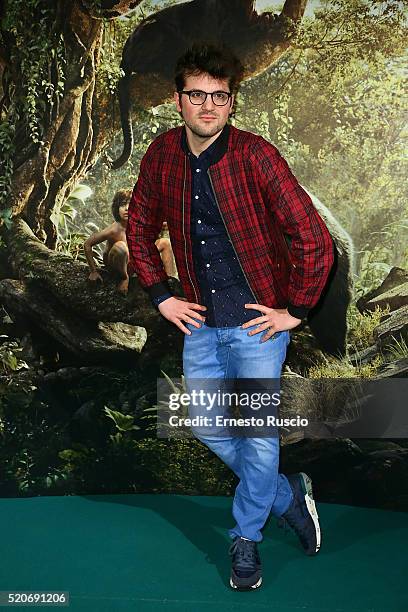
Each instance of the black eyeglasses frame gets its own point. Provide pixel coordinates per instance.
(207, 93)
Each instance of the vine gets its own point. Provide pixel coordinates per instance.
(109, 70)
(37, 56)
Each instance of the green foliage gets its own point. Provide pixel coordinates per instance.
(113, 39)
(104, 183)
(373, 267)
(123, 422)
(92, 437)
(60, 216)
(335, 106)
(9, 356)
(362, 326)
(38, 54)
(30, 23)
(7, 132)
(330, 367)
(152, 413)
(396, 349)
(71, 235)
(29, 439)
(6, 216)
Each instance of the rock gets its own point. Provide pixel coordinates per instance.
(370, 446)
(402, 442)
(395, 278)
(28, 352)
(392, 293)
(363, 472)
(394, 298)
(394, 369)
(320, 457)
(390, 453)
(131, 337)
(93, 342)
(364, 356)
(394, 325)
(381, 480)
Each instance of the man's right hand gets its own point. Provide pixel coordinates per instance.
(177, 309)
(95, 277)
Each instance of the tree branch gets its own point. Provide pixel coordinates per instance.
(294, 9)
(107, 9)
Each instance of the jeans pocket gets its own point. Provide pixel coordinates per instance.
(285, 334)
(192, 327)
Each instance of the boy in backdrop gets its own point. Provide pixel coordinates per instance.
(116, 253)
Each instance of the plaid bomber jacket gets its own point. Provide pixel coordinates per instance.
(259, 199)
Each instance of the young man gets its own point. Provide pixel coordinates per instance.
(229, 197)
(116, 253)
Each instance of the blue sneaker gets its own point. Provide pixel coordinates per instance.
(302, 515)
(246, 571)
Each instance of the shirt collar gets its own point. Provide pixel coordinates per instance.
(213, 153)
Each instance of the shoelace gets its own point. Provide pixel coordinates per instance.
(245, 549)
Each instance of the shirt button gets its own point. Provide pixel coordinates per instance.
(208, 265)
(197, 169)
(203, 242)
(199, 221)
(196, 197)
(212, 290)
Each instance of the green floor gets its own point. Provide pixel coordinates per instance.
(168, 553)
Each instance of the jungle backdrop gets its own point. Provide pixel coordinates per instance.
(326, 83)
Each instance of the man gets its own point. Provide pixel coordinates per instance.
(229, 197)
(116, 253)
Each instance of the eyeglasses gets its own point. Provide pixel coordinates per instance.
(198, 97)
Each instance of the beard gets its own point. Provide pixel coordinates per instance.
(202, 130)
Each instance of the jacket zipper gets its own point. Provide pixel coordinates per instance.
(184, 235)
(226, 229)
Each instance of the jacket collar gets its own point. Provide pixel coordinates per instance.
(221, 143)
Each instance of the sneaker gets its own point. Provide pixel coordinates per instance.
(302, 515)
(246, 565)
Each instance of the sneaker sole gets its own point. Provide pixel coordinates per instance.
(246, 588)
(311, 506)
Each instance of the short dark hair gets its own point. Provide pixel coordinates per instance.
(121, 198)
(217, 61)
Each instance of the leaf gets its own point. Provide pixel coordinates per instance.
(81, 192)
(171, 383)
(124, 422)
(6, 216)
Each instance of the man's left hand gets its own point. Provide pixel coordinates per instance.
(274, 320)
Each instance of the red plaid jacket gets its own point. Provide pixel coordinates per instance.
(260, 200)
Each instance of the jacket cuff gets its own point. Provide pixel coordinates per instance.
(299, 312)
(158, 300)
(158, 289)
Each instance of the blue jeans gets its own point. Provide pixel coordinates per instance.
(229, 353)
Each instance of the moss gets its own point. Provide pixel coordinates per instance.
(362, 326)
(344, 368)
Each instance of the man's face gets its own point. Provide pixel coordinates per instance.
(207, 119)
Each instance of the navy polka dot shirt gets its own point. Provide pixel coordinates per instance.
(223, 287)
